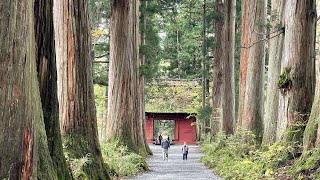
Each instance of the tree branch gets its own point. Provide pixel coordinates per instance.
(100, 61)
(101, 56)
(263, 40)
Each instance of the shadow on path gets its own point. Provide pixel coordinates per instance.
(175, 167)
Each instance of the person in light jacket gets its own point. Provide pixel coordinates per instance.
(185, 150)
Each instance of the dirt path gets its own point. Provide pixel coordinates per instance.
(175, 167)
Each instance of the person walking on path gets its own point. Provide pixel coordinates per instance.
(185, 150)
(165, 146)
(160, 139)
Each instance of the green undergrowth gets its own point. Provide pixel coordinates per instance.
(308, 166)
(121, 161)
(233, 158)
(83, 158)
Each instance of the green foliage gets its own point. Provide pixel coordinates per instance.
(164, 127)
(146, 70)
(121, 161)
(285, 81)
(77, 165)
(173, 96)
(308, 166)
(100, 93)
(204, 113)
(233, 157)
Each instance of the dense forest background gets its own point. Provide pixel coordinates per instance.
(76, 78)
(176, 51)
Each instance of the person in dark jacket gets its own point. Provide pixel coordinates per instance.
(165, 145)
(160, 139)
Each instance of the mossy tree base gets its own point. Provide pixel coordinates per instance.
(77, 147)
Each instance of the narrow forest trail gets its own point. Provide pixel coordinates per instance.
(175, 168)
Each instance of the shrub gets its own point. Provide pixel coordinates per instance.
(76, 166)
(238, 156)
(121, 161)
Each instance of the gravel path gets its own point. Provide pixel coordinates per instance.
(175, 167)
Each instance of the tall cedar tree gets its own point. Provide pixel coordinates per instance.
(311, 138)
(124, 122)
(274, 67)
(217, 70)
(47, 76)
(297, 80)
(143, 38)
(228, 89)
(22, 134)
(75, 85)
(252, 62)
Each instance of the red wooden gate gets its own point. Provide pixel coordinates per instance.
(185, 128)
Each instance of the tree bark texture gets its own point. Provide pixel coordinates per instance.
(124, 114)
(216, 118)
(252, 66)
(299, 65)
(22, 127)
(311, 138)
(77, 111)
(274, 69)
(143, 37)
(243, 59)
(47, 76)
(228, 89)
(202, 122)
(139, 120)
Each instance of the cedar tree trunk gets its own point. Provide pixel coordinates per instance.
(297, 79)
(216, 124)
(252, 66)
(228, 89)
(124, 114)
(274, 67)
(47, 76)
(22, 131)
(78, 120)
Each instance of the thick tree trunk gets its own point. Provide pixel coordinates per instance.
(311, 137)
(252, 66)
(274, 67)
(139, 121)
(245, 41)
(124, 117)
(47, 76)
(216, 118)
(143, 37)
(298, 68)
(228, 89)
(22, 127)
(75, 85)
